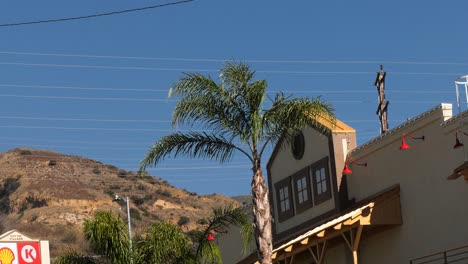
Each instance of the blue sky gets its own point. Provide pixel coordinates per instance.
(113, 105)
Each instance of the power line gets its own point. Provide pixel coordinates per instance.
(169, 100)
(93, 16)
(82, 88)
(142, 121)
(166, 90)
(88, 98)
(212, 70)
(83, 119)
(224, 60)
(102, 128)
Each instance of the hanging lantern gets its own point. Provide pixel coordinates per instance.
(210, 237)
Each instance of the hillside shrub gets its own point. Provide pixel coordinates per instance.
(112, 167)
(135, 214)
(183, 220)
(138, 201)
(25, 152)
(166, 192)
(32, 202)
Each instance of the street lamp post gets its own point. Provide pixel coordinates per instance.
(118, 198)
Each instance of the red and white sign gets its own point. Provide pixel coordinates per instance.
(20, 253)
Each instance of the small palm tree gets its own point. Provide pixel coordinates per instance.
(164, 243)
(108, 237)
(218, 224)
(234, 113)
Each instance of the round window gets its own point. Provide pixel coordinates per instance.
(298, 146)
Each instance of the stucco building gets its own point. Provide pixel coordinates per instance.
(397, 198)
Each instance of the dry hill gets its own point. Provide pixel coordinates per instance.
(47, 195)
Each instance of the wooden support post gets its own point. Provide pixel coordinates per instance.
(319, 253)
(353, 241)
(356, 241)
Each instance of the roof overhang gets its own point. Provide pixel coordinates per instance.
(382, 209)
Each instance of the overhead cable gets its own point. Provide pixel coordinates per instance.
(224, 60)
(93, 16)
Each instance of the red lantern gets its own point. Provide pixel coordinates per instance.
(210, 237)
(346, 170)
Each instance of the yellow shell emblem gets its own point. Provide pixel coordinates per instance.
(6, 256)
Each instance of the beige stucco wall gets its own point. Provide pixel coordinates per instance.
(284, 165)
(434, 210)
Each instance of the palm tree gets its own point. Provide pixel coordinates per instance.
(108, 237)
(233, 111)
(164, 243)
(218, 224)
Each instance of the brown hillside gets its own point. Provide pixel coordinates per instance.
(47, 195)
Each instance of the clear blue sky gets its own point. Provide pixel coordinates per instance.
(298, 46)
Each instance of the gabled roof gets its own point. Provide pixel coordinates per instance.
(14, 235)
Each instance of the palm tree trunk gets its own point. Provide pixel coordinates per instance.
(262, 214)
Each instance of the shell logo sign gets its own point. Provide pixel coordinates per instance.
(6, 256)
(20, 253)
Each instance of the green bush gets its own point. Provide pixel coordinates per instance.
(73, 257)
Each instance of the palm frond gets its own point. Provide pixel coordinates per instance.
(164, 243)
(287, 116)
(194, 145)
(219, 223)
(107, 235)
(210, 104)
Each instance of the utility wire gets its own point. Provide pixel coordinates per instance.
(224, 60)
(144, 121)
(213, 70)
(82, 88)
(83, 119)
(88, 98)
(102, 128)
(171, 101)
(167, 90)
(93, 16)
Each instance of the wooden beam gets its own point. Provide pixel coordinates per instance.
(355, 257)
(352, 220)
(273, 256)
(338, 226)
(357, 238)
(321, 233)
(322, 254)
(347, 241)
(316, 258)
